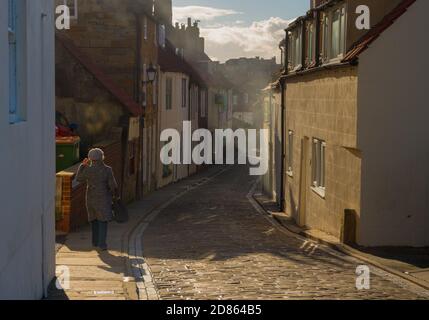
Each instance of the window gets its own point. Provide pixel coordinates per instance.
(169, 94)
(166, 169)
(246, 98)
(184, 92)
(290, 153)
(318, 166)
(145, 27)
(235, 100)
(295, 49)
(155, 35)
(155, 91)
(72, 5)
(325, 38)
(162, 36)
(203, 103)
(310, 44)
(334, 34)
(132, 158)
(16, 26)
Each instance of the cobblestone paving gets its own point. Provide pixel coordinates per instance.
(212, 244)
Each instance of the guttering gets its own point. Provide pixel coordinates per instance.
(319, 68)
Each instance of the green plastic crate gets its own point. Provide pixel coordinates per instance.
(67, 153)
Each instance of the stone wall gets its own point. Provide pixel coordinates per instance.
(84, 101)
(105, 31)
(323, 105)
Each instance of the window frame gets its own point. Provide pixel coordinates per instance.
(318, 176)
(162, 35)
(295, 44)
(17, 62)
(169, 93)
(145, 28)
(327, 38)
(203, 101)
(184, 93)
(291, 136)
(310, 43)
(155, 35)
(155, 90)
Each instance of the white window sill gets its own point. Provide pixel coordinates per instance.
(321, 192)
(334, 60)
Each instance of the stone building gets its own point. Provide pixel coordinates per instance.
(118, 39)
(248, 76)
(190, 45)
(183, 97)
(355, 144)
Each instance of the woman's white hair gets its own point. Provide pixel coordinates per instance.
(96, 155)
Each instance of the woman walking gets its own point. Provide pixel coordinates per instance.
(101, 187)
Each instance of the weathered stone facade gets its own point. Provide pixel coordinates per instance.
(323, 105)
(84, 101)
(121, 39)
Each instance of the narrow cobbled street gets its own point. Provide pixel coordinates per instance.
(212, 243)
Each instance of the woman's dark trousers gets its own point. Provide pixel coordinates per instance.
(99, 234)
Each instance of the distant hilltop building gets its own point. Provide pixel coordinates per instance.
(187, 38)
(249, 77)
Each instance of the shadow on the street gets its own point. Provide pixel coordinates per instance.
(217, 222)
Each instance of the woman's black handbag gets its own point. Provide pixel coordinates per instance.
(120, 212)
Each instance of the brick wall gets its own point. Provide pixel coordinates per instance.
(73, 207)
(63, 224)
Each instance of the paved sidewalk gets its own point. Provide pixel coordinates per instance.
(409, 263)
(108, 275)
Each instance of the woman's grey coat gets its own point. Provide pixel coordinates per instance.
(101, 185)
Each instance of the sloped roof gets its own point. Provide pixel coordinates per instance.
(363, 43)
(218, 80)
(116, 91)
(169, 61)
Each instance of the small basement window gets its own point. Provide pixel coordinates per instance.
(318, 167)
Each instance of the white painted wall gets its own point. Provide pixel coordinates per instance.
(27, 161)
(393, 134)
(172, 119)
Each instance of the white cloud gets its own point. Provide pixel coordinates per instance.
(180, 14)
(261, 38)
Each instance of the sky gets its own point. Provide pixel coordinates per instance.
(246, 28)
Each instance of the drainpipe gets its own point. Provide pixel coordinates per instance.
(283, 126)
(283, 130)
(138, 96)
